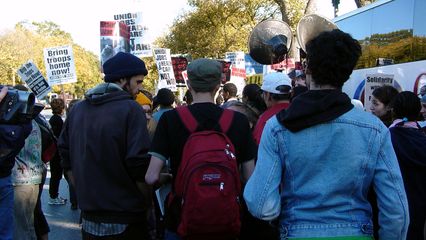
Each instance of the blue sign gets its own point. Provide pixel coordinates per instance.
(252, 67)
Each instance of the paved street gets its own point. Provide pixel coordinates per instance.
(63, 222)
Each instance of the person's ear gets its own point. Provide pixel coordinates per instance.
(269, 96)
(122, 82)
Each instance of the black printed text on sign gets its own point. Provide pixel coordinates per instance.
(60, 68)
(30, 74)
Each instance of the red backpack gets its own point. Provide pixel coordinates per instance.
(208, 182)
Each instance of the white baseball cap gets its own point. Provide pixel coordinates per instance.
(272, 81)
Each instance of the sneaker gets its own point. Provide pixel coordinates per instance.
(63, 199)
(56, 201)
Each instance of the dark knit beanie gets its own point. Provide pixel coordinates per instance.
(204, 74)
(123, 65)
(165, 97)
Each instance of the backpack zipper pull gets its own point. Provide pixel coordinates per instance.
(221, 186)
(229, 153)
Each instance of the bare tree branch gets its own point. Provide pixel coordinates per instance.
(283, 9)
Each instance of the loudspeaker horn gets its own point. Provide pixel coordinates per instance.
(270, 41)
(310, 26)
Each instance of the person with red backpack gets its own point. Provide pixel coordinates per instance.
(206, 146)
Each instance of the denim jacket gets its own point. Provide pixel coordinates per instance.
(316, 180)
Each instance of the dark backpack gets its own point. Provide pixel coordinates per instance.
(208, 182)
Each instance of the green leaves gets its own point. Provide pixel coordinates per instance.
(214, 27)
(28, 40)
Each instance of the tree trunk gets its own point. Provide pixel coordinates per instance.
(283, 9)
(358, 3)
(311, 7)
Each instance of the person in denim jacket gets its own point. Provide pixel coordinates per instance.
(318, 159)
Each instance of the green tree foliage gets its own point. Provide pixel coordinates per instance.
(214, 27)
(28, 40)
(400, 46)
(361, 3)
(150, 81)
(292, 10)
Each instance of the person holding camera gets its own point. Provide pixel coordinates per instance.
(12, 139)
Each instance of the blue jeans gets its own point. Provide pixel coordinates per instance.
(168, 235)
(25, 203)
(6, 208)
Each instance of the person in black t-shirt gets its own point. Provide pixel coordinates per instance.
(56, 171)
(204, 80)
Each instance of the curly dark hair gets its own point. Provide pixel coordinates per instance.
(331, 57)
(406, 105)
(57, 105)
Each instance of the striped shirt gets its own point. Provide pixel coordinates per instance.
(103, 229)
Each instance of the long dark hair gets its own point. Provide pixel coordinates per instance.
(254, 97)
(386, 94)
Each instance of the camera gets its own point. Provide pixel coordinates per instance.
(17, 107)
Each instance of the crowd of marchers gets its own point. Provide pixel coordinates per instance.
(294, 158)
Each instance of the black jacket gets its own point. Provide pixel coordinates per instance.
(105, 143)
(12, 139)
(410, 149)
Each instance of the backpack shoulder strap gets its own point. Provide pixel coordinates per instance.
(225, 120)
(187, 119)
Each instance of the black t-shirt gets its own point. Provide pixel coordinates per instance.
(171, 134)
(56, 123)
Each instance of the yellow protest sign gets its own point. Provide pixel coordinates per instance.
(256, 79)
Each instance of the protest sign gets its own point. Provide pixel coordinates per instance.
(256, 79)
(252, 67)
(60, 68)
(238, 69)
(373, 81)
(285, 66)
(30, 74)
(114, 38)
(226, 70)
(179, 65)
(140, 39)
(185, 76)
(165, 69)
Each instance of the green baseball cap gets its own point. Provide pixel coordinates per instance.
(204, 74)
